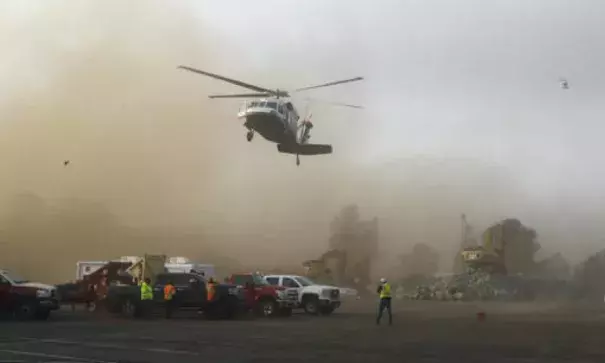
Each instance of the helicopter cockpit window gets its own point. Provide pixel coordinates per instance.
(281, 109)
(253, 104)
(272, 105)
(289, 106)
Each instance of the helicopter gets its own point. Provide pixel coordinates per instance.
(274, 117)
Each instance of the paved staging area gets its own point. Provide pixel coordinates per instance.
(423, 332)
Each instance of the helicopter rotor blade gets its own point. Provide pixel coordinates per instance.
(243, 95)
(330, 84)
(229, 80)
(333, 103)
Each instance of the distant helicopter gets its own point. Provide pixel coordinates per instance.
(564, 83)
(275, 118)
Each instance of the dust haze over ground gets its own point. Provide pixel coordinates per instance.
(463, 114)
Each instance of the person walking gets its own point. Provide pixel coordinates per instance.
(384, 291)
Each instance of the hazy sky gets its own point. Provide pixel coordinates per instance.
(464, 113)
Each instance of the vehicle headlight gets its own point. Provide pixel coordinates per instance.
(43, 293)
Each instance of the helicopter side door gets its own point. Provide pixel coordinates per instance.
(291, 119)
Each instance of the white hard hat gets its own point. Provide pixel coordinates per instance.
(383, 280)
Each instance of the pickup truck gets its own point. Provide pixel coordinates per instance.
(313, 298)
(191, 292)
(24, 299)
(262, 298)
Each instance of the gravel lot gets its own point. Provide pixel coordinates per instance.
(423, 332)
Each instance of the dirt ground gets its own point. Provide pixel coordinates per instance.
(422, 332)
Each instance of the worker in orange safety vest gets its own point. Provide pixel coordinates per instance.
(169, 292)
(211, 288)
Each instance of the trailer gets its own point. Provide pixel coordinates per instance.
(85, 268)
(172, 264)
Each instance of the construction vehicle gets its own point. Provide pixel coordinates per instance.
(93, 277)
(93, 284)
(191, 291)
(97, 276)
(488, 256)
(508, 247)
(330, 268)
(147, 267)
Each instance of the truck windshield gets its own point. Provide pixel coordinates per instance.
(258, 280)
(304, 281)
(14, 278)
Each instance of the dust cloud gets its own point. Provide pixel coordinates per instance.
(156, 167)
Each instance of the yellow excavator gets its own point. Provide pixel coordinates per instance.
(329, 268)
(489, 256)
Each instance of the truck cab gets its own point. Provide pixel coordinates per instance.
(191, 290)
(25, 299)
(312, 297)
(263, 298)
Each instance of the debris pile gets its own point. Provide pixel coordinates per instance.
(502, 267)
(480, 285)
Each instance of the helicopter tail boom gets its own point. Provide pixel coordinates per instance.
(305, 149)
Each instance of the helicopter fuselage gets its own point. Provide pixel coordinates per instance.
(274, 119)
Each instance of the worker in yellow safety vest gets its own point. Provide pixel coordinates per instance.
(146, 297)
(384, 290)
(169, 292)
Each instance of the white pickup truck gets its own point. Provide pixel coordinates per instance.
(312, 297)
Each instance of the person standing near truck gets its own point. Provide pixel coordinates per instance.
(384, 290)
(169, 292)
(146, 297)
(211, 288)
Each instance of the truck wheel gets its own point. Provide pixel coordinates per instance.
(129, 308)
(326, 310)
(25, 311)
(267, 308)
(42, 314)
(311, 305)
